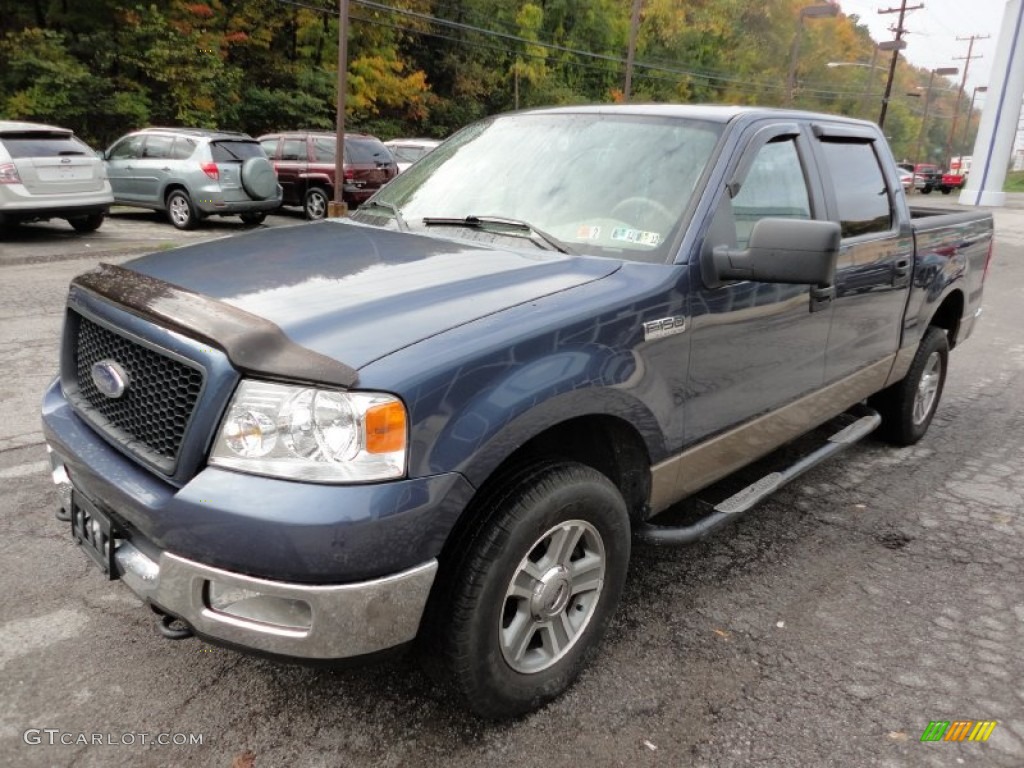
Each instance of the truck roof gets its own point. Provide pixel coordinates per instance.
(718, 113)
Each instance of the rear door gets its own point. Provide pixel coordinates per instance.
(877, 255)
(54, 162)
(229, 154)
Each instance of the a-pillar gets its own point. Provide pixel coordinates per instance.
(998, 127)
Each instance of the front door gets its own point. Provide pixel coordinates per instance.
(121, 161)
(756, 346)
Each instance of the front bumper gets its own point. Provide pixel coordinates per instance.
(296, 620)
(306, 621)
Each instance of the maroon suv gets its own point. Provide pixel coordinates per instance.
(304, 161)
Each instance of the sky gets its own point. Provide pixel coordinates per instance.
(933, 32)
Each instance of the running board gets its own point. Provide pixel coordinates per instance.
(739, 503)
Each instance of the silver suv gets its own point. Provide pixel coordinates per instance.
(47, 173)
(193, 173)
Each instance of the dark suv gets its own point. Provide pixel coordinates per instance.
(304, 161)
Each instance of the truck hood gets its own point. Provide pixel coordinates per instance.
(357, 293)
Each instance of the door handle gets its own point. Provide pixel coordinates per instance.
(901, 272)
(165, 169)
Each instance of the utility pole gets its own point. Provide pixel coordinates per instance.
(963, 84)
(902, 11)
(337, 206)
(634, 27)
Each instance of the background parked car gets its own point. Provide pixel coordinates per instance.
(927, 177)
(304, 161)
(906, 179)
(48, 173)
(408, 151)
(192, 173)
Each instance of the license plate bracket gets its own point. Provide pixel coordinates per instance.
(94, 532)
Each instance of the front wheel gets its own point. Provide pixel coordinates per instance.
(908, 406)
(531, 593)
(180, 211)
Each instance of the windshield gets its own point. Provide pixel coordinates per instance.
(614, 185)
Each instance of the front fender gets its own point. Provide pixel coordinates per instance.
(520, 401)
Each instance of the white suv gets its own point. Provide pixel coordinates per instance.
(47, 173)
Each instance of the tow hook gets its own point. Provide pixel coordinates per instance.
(173, 628)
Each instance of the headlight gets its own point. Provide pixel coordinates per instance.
(305, 433)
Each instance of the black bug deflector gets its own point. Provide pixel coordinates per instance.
(253, 344)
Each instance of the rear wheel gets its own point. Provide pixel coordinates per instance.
(315, 204)
(908, 406)
(180, 211)
(252, 218)
(87, 223)
(532, 590)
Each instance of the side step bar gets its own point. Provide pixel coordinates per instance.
(739, 503)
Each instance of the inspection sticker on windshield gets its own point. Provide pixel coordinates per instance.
(587, 232)
(636, 236)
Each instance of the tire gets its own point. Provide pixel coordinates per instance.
(907, 407)
(507, 654)
(87, 223)
(926, 190)
(180, 211)
(258, 178)
(253, 218)
(314, 205)
(946, 190)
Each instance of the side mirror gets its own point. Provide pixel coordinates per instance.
(780, 251)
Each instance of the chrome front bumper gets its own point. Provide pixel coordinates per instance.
(298, 620)
(304, 621)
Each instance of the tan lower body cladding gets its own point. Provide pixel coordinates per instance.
(698, 467)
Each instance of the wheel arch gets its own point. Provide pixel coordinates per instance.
(948, 315)
(606, 442)
(173, 186)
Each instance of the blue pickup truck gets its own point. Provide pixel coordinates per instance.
(445, 420)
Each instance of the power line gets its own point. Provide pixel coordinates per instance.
(742, 84)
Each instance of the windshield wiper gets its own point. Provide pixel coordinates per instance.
(402, 226)
(479, 222)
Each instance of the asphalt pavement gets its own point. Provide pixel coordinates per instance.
(881, 591)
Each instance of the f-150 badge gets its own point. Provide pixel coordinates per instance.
(667, 326)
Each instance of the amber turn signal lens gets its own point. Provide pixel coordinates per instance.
(385, 428)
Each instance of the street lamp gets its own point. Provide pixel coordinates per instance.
(888, 45)
(943, 72)
(827, 10)
(970, 112)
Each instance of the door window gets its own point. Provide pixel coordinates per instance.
(294, 149)
(269, 147)
(126, 149)
(157, 147)
(865, 206)
(775, 187)
(325, 150)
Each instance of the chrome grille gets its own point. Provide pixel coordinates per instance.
(151, 417)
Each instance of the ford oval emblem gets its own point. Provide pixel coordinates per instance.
(109, 378)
